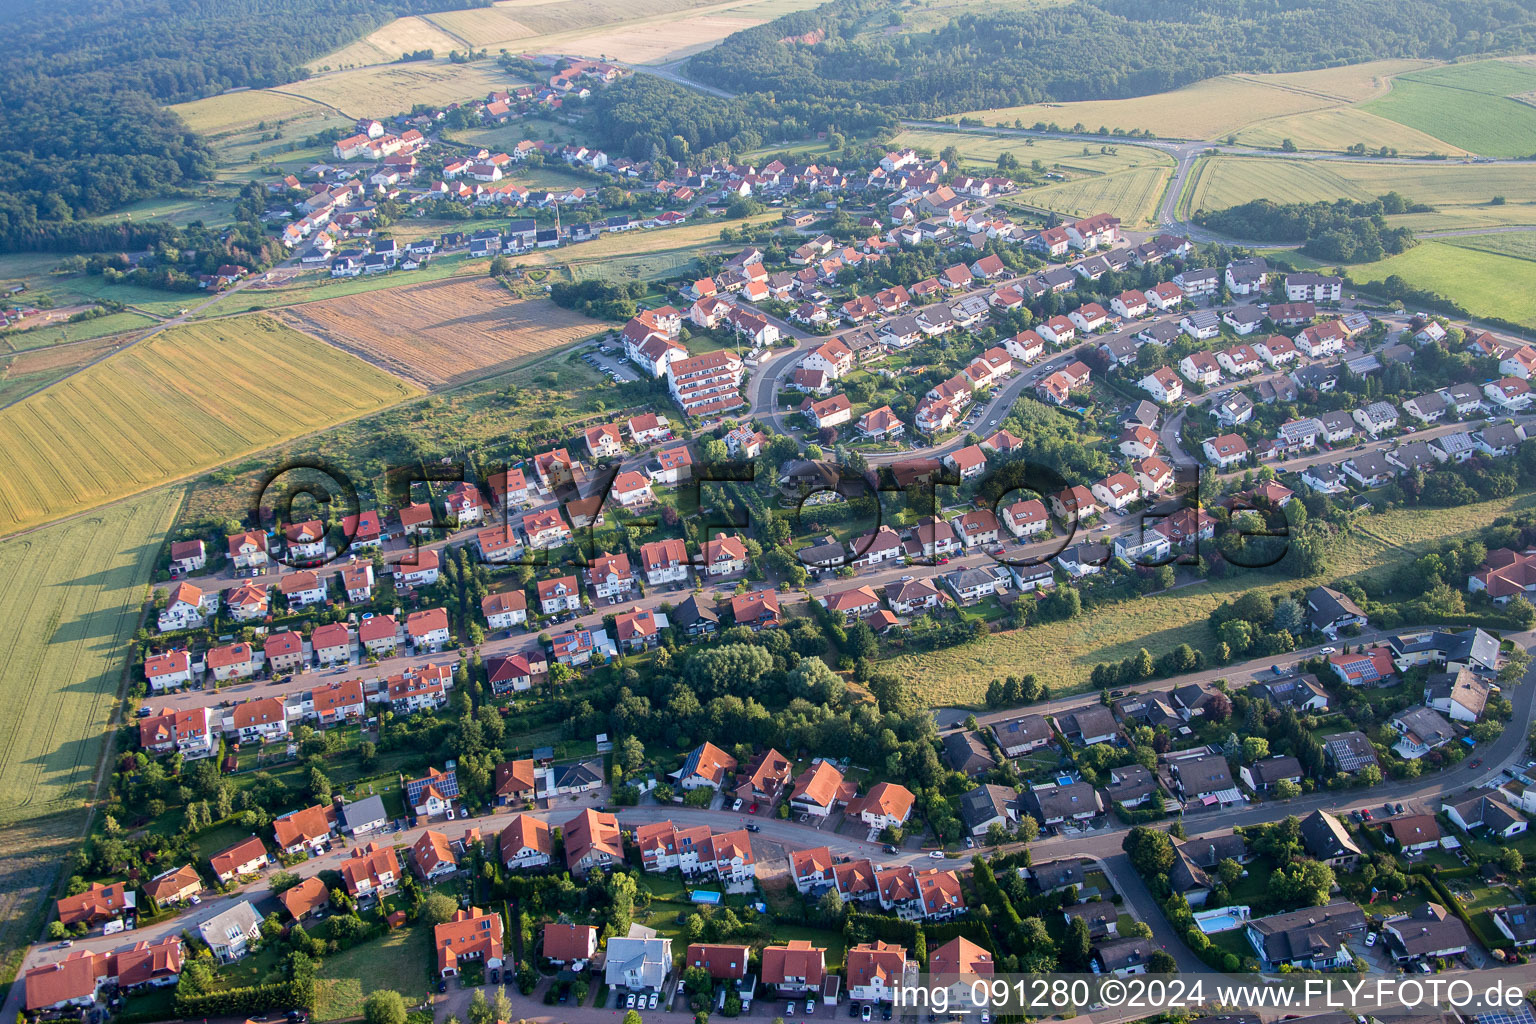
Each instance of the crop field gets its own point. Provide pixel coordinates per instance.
(69, 608)
(442, 332)
(1519, 244)
(543, 396)
(1341, 127)
(237, 111)
(178, 403)
(386, 45)
(62, 334)
(1487, 284)
(1130, 195)
(1064, 653)
(692, 238)
(1460, 192)
(1215, 107)
(1467, 105)
(985, 149)
(642, 31)
(25, 372)
(394, 88)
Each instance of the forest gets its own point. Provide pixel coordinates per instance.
(85, 80)
(1345, 231)
(647, 117)
(1091, 49)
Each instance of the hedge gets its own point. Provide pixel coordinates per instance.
(285, 995)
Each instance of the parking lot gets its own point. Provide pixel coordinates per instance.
(610, 365)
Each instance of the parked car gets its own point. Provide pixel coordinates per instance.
(936, 854)
(655, 998)
(629, 1001)
(867, 1013)
(1370, 940)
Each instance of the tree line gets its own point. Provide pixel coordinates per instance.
(1345, 231)
(85, 80)
(1095, 49)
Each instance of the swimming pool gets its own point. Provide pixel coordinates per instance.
(1224, 919)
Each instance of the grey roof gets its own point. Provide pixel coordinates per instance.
(1054, 874)
(1351, 750)
(1123, 953)
(238, 919)
(1024, 729)
(1315, 375)
(1208, 773)
(692, 611)
(1335, 421)
(582, 773)
(1201, 318)
(1272, 769)
(362, 812)
(966, 752)
(1193, 695)
(1163, 332)
(1057, 801)
(1520, 920)
(1208, 851)
(1380, 412)
(1094, 720)
(1308, 934)
(1098, 915)
(1143, 413)
(1454, 444)
(1289, 691)
(1325, 838)
(1245, 315)
(1370, 465)
(1426, 723)
(1427, 404)
(1471, 646)
(1501, 435)
(984, 803)
(1414, 455)
(1130, 782)
(1429, 929)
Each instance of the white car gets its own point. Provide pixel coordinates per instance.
(629, 1001)
(1370, 940)
(1326, 650)
(936, 855)
(651, 1003)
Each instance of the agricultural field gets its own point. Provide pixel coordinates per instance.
(692, 238)
(1461, 193)
(1216, 107)
(180, 402)
(395, 88)
(245, 109)
(25, 372)
(1340, 128)
(642, 32)
(1486, 283)
(546, 397)
(1064, 653)
(442, 332)
(51, 335)
(1519, 244)
(70, 606)
(1468, 105)
(1130, 195)
(386, 45)
(984, 150)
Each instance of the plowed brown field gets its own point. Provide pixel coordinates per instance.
(441, 332)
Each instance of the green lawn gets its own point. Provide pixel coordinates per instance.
(832, 942)
(258, 968)
(1486, 283)
(401, 960)
(1467, 105)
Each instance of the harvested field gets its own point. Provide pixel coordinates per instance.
(236, 111)
(441, 332)
(1340, 128)
(30, 370)
(386, 45)
(392, 88)
(1217, 107)
(183, 401)
(71, 607)
(1461, 193)
(1130, 195)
